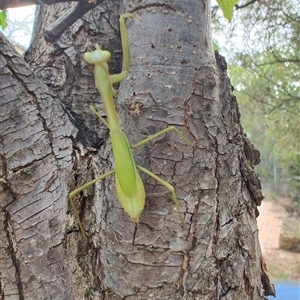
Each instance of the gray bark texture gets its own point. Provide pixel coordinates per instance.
(51, 143)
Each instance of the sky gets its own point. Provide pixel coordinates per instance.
(15, 31)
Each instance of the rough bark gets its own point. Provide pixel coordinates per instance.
(175, 79)
(35, 161)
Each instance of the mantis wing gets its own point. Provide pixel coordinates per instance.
(129, 185)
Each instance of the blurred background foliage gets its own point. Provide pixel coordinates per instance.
(262, 48)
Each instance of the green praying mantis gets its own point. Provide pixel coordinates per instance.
(129, 185)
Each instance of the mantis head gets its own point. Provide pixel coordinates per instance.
(97, 56)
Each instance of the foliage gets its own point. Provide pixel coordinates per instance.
(3, 18)
(216, 47)
(227, 8)
(19, 26)
(262, 45)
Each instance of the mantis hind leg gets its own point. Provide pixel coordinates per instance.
(148, 139)
(169, 187)
(80, 189)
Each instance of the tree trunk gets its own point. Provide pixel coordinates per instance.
(175, 79)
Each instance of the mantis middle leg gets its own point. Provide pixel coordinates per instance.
(148, 139)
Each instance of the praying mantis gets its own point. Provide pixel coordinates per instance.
(129, 185)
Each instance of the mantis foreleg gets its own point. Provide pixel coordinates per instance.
(115, 78)
(124, 40)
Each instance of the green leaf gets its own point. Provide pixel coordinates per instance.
(216, 47)
(227, 8)
(3, 18)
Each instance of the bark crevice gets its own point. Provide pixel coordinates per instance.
(11, 249)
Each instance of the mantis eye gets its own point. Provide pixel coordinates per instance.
(106, 55)
(97, 56)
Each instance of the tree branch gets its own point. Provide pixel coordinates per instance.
(246, 4)
(53, 33)
(272, 106)
(281, 61)
(4, 4)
